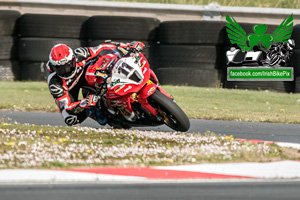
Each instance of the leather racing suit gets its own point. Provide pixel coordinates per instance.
(66, 91)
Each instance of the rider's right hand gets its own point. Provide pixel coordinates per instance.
(137, 46)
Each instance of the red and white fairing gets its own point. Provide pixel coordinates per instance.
(130, 82)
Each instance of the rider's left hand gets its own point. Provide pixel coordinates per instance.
(92, 100)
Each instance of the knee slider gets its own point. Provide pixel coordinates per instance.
(69, 119)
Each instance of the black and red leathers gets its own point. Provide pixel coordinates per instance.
(66, 91)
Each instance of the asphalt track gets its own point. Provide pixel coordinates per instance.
(210, 189)
(149, 191)
(245, 130)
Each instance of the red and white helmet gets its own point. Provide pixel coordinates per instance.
(62, 60)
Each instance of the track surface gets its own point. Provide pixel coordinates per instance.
(245, 130)
(148, 191)
(273, 190)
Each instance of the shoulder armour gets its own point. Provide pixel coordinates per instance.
(55, 85)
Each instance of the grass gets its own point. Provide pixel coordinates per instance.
(237, 105)
(240, 3)
(197, 102)
(30, 146)
(26, 96)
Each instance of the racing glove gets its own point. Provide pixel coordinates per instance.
(137, 46)
(92, 100)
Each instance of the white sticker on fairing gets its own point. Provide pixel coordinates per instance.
(145, 69)
(129, 87)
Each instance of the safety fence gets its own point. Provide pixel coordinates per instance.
(180, 53)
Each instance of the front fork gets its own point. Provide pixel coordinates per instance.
(147, 91)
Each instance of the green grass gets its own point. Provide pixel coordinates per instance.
(197, 102)
(30, 146)
(240, 3)
(26, 96)
(237, 105)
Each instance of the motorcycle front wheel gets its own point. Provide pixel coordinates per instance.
(171, 113)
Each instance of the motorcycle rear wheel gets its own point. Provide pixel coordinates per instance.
(170, 112)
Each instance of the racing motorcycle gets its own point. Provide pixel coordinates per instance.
(131, 96)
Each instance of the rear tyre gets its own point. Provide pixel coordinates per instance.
(171, 113)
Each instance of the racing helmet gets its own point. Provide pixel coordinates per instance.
(290, 44)
(63, 61)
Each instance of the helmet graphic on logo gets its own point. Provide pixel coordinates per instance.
(63, 61)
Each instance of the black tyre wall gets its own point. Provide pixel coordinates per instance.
(296, 36)
(188, 76)
(34, 71)
(53, 26)
(295, 62)
(297, 84)
(8, 22)
(8, 48)
(10, 70)
(38, 49)
(119, 27)
(187, 56)
(191, 32)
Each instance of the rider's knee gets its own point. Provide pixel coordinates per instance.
(70, 120)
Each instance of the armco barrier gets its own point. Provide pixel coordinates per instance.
(163, 12)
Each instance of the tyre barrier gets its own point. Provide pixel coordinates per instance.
(34, 71)
(191, 32)
(188, 76)
(8, 22)
(181, 52)
(10, 70)
(189, 53)
(9, 66)
(53, 26)
(122, 28)
(191, 56)
(297, 84)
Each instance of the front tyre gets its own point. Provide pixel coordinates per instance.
(170, 112)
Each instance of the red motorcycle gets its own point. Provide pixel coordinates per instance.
(132, 97)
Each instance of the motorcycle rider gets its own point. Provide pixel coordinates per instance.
(70, 70)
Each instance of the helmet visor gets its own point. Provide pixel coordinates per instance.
(66, 70)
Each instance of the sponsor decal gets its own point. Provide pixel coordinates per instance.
(151, 90)
(129, 87)
(123, 50)
(119, 88)
(144, 71)
(143, 64)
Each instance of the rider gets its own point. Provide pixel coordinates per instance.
(70, 70)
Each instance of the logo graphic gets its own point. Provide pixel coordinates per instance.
(259, 48)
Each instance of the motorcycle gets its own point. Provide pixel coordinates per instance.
(131, 96)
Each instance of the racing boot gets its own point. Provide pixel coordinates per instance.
(96, 115)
